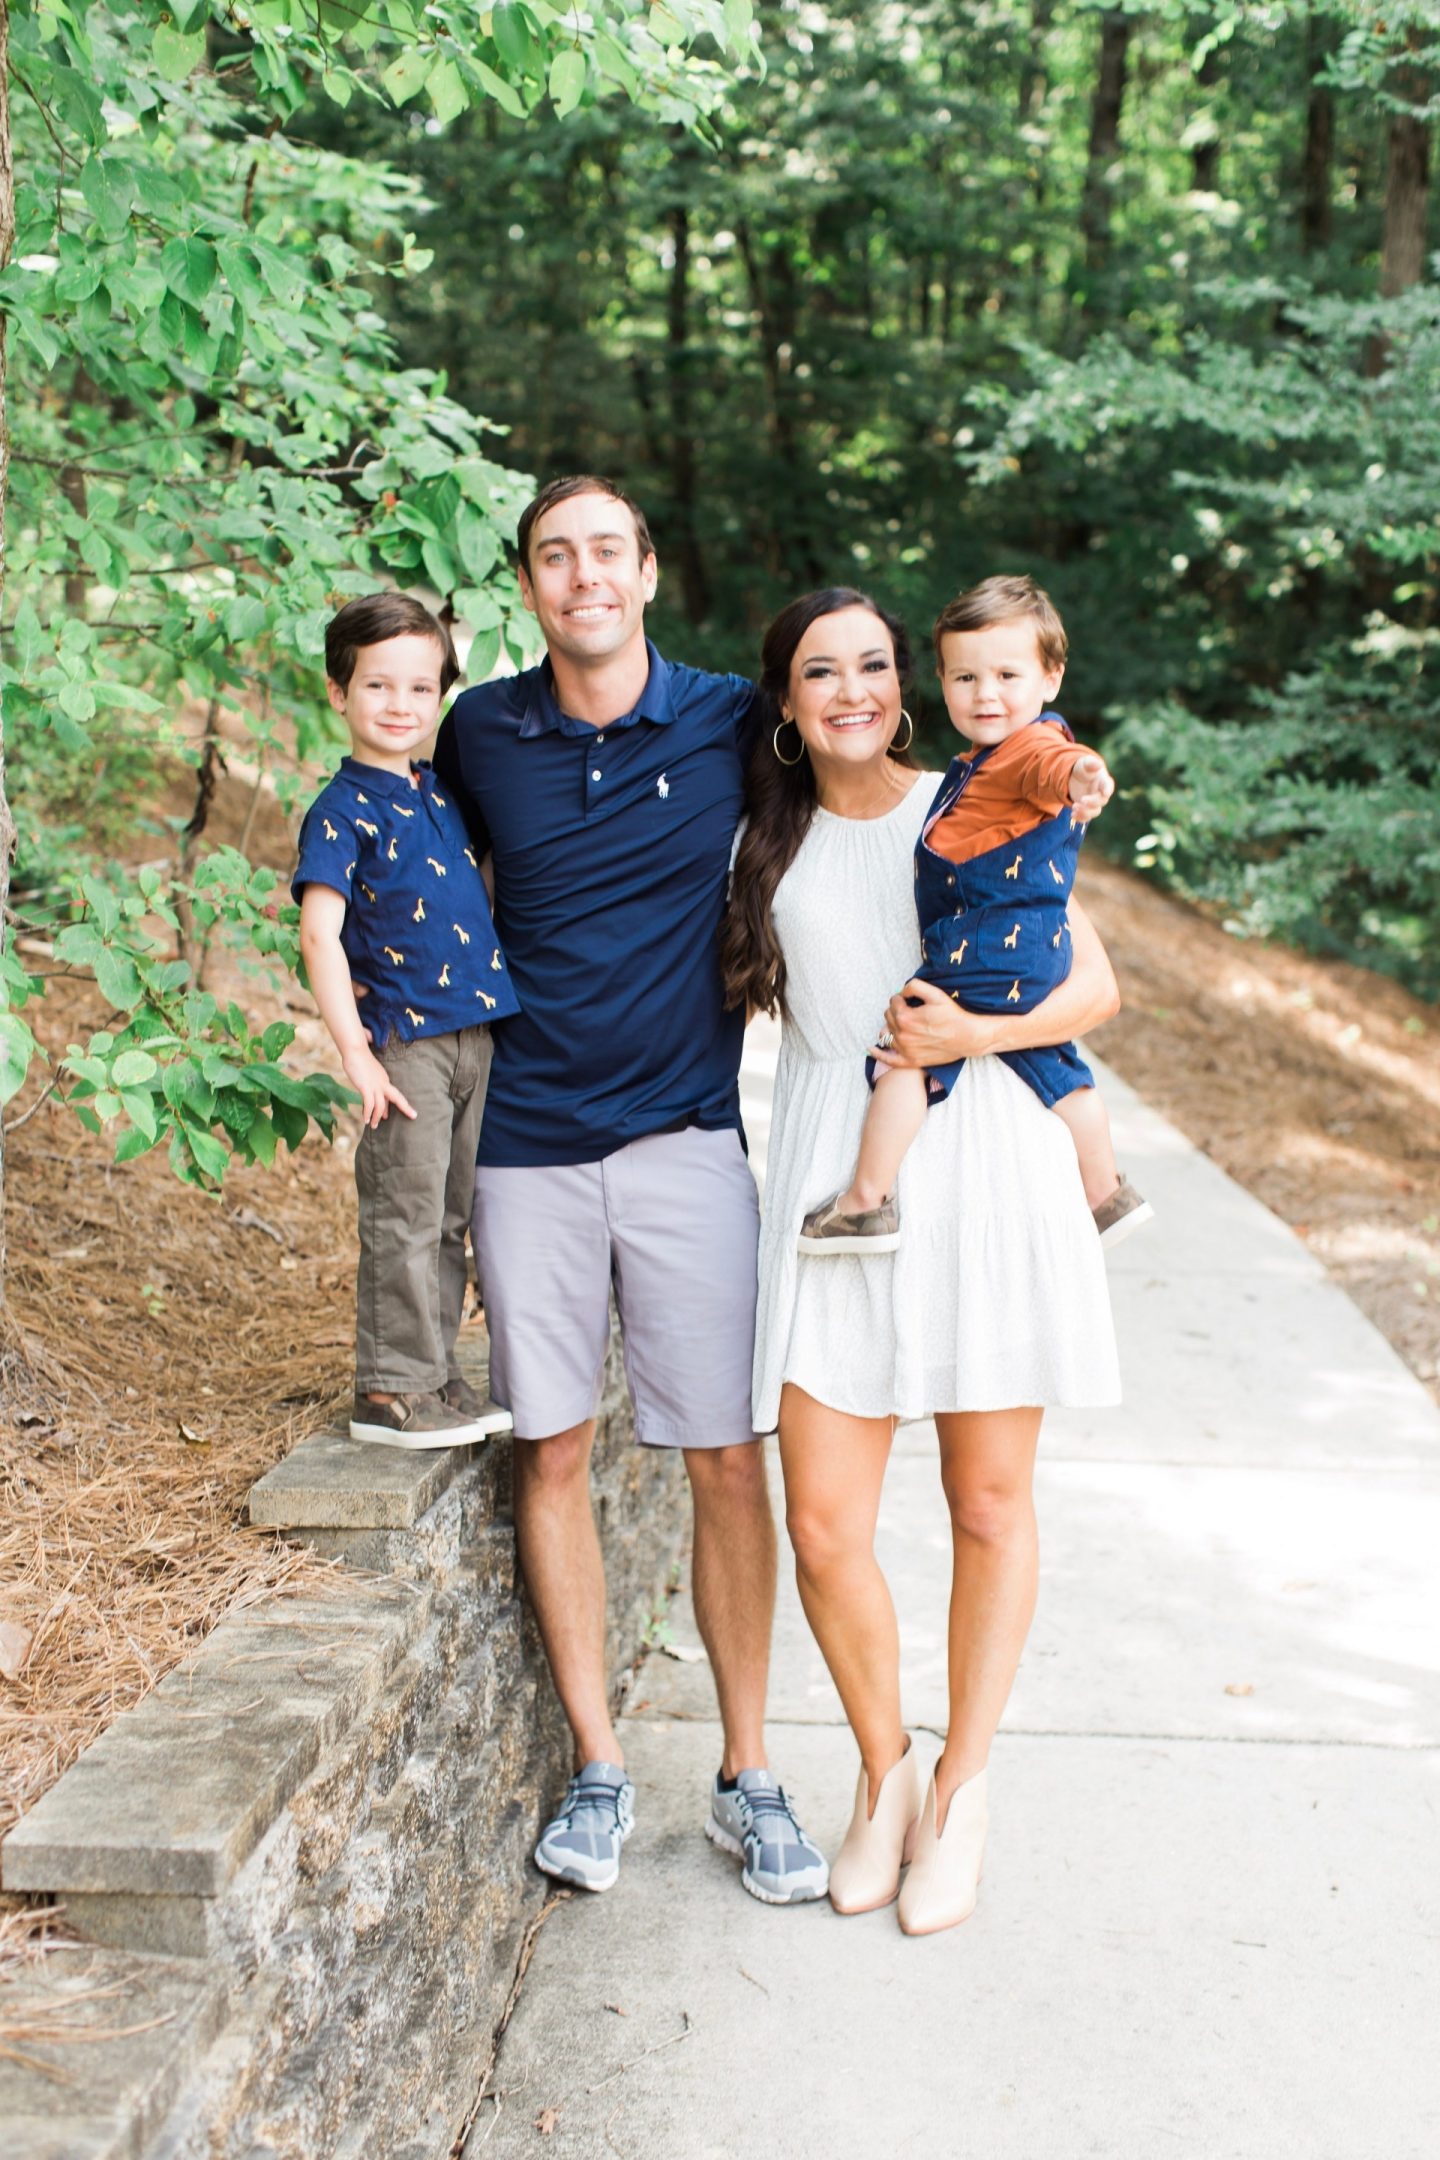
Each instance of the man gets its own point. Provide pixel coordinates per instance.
(608, 785)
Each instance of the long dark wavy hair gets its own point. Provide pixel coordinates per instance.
(780, 803)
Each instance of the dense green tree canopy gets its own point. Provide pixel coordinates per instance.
(1138, 298)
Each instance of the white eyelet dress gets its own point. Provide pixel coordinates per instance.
(997, 1295)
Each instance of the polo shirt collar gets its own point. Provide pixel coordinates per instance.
(380, 782)
(544, 716)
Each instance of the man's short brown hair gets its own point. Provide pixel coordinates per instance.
(1006, 599)
(372, 619)
(558, 491)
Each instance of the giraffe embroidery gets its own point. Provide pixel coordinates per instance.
(439, 801)
(349, 869)
(373, 830)
(463, 935)
(495, 961)
(1056, 939)
(437, 867)
(470, 858)
(1014, 869)
(396, 959)
(959, 953)
(487, 1002)
(415, 1019)
(419, 914)
(1058, 875)
(369, 895)
(362, 798)
(401, 811)
(444, 980)
(390, 853)
(1012, 995)
(331, 832)
(1013, 940)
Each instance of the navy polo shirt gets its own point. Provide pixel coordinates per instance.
(612, 855)
(417, 932)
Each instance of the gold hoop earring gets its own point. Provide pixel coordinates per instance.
(775, 742)
(895, 742)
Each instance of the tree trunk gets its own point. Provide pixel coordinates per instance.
(1316, 191)
(1205, 156)
(693, 581)
(1034, 79)
(1104, 150)
(1407, 187)
(1407, 199)
(7, 235)
(772, 295)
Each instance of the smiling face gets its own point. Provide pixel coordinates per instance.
(994, 679)
(391, 703)
(586, 582)
(844, 692)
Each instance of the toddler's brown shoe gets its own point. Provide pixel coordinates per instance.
(1124, 1211)
(874, 1230)
(415, 1421)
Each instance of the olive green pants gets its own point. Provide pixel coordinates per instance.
(416, 1182)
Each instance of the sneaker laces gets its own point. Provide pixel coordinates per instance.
(594, 1795)
(770, 1800)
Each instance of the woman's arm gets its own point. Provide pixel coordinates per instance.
(937, 1030)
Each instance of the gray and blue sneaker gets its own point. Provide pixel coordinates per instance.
(582, 1845)
(753, 1819)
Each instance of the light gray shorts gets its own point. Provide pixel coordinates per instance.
(673, 1222)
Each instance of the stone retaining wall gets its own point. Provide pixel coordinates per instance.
(301, 1863)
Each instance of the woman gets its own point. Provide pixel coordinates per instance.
(995, 1303)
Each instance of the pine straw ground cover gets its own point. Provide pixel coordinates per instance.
(161, 1350)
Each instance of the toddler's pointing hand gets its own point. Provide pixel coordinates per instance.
(1090, 786)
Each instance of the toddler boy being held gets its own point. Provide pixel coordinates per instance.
(994, 869)
(392, 904)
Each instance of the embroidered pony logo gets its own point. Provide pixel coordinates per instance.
(662, 787)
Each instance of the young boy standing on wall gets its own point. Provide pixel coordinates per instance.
(392, 904)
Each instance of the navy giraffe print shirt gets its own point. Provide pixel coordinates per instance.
(418, 933)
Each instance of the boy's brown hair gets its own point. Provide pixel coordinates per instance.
(558, 491)
(372, 619)
(1005, 599)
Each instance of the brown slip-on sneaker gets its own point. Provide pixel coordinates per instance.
(413, 1421)
(1124, 1211)
(874, 1230)
(458, 1395)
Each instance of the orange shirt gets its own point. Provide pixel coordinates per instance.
(1024, 780)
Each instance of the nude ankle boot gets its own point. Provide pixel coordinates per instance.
(939, 1891)
(866, 1873)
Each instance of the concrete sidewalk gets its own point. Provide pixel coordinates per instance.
(1210, 1919)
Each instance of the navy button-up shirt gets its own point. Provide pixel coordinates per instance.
(418, 932)
(612, 852)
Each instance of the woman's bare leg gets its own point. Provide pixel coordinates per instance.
(895, 1116)
(987, 1465)
(834, 1466)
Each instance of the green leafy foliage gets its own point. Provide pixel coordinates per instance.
(870, 338)
(214, 442)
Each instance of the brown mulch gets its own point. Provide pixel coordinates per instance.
(1315, 1085)
(161, 1349)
